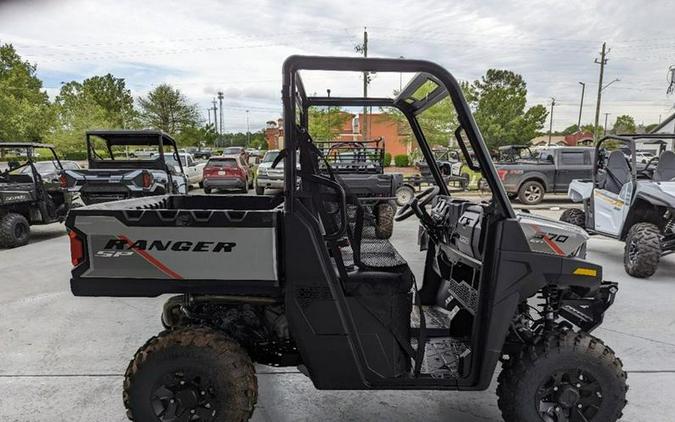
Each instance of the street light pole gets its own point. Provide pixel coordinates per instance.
(581, 105)
(605, 129)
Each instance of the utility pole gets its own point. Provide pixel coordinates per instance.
(400, 78)
(602, 62)
(364, 49)
(215, 115)
(248, 132)
(605, 129)
(220, 99)
(550, 127)
(581, 105)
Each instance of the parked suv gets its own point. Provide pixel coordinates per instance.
(552, 171)
(268, 177)
(226, 172)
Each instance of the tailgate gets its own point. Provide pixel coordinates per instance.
(369, 185)
(148, 252)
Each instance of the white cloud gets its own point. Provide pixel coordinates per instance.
(238, 47)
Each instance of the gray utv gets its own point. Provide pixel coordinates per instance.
(629, 202)
(294, 281)
(31, 191)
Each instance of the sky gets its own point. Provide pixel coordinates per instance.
(238, 47)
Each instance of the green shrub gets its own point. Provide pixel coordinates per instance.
(401, 160)
(74, 155)
(387, 159)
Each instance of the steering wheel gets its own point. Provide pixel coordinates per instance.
(649, 164)
(416, 204)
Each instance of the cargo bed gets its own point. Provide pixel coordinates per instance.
(226, 245)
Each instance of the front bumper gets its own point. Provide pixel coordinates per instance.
(267, 182)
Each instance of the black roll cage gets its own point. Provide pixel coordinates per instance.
(129, 138)
(627, 140)
(29, 147)
(296, 104)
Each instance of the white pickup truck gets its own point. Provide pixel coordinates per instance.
(193, 169)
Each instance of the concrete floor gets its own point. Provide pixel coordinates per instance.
(62, 357)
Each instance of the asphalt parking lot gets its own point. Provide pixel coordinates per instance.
(62, 357)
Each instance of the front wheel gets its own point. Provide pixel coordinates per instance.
(190, 374)
(642, 252)
(384, 219)
(568, 377)
(259, 190)
(574, 216)
(14, 230)
(531, 193)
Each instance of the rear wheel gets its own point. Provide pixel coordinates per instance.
(14, 230)
(404, 194)
(574, 216)
(384, 217)
(642, 252)
(531, 193)
(568, 377)
(190, 374)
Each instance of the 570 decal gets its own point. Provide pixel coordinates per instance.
(542, 237)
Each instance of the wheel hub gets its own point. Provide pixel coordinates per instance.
(569, 395)
(184, 397)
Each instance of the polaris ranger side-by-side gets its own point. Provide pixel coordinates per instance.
(629, 202)
(291, 281)
(27, 196)
(117, 170)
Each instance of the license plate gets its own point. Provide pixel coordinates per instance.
(221, 173)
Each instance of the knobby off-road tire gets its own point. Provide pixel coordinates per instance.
(384, 220)
(195, 371)
(14, 230)
(642, 251)
(531, 193)
(560, 374)
(574, 216)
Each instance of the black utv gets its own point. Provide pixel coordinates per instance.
(292, 281)
(30, 192)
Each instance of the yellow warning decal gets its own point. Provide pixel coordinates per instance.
(586, 271)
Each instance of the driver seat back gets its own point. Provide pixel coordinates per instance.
(665, 169)
(617, 166)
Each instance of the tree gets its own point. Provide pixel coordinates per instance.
(624, 124)
(167, 109)
(107, 92)
(197, 136)
(589, 128)
(326, 123)
(569, 130)
(499, 99)
(650, 127)
(25, 112)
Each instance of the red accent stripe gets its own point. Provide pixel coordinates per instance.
(151, 259)
(551, 244)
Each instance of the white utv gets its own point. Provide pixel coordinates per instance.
(634, 205)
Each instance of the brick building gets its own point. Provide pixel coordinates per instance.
(379, 125)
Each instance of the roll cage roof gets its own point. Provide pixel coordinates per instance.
(133, 137)
(25, 145)
(296, 103)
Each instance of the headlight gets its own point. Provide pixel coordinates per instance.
(262, 171)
